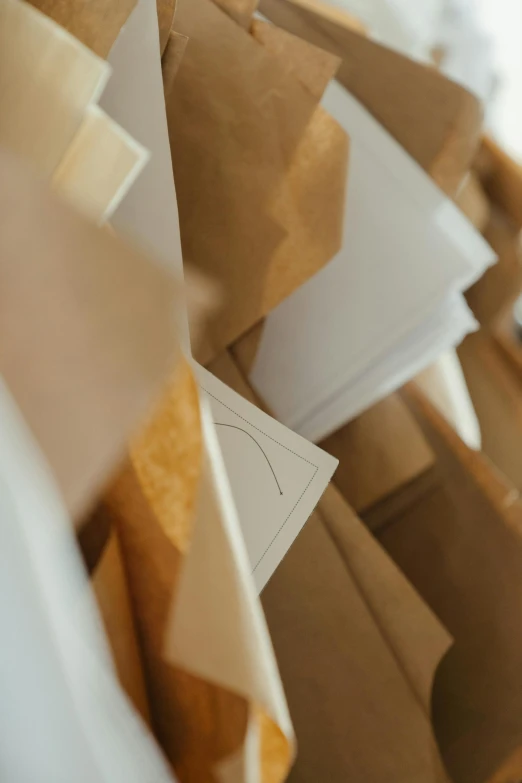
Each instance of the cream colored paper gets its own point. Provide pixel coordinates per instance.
(217, 629)
(48, 80)
(99, 166)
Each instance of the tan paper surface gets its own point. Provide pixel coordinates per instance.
(355, 713)
(416, 104)
(171, 60)
(96, 23)
(99, 338)
(241, 11)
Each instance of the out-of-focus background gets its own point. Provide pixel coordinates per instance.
(475, 42)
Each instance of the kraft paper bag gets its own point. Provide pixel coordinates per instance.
(459, 544)
(109, 583)
(241, 11)
(246, 173)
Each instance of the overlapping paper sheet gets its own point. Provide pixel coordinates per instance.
(198, 663)
(259, 167)
(177, 523)
(338, 604)
(50, 117)
(87, 337)
(388, 304)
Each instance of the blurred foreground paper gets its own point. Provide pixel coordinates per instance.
(64, 716)
(91, 332)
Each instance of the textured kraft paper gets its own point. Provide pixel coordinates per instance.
(338, 597)
(91, 332)
(189, 589)
(96, 23)
(245, 169)
(415, 103)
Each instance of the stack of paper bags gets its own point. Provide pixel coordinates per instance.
(388, 304)
(356, 646)
(91, 328)
(260, 168)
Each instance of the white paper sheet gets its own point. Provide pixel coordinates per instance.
(407, 251)
(64, 714)
(276, 476)
(134, 98)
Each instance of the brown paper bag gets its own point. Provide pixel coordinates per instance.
(235, 136)
(460, 545)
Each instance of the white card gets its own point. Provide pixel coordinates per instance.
(276, 477)
(406, 248)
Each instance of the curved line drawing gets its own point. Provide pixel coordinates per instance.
(233, 427)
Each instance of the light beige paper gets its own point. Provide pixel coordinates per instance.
(43, 104)
(99, 166)
(88, 329)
